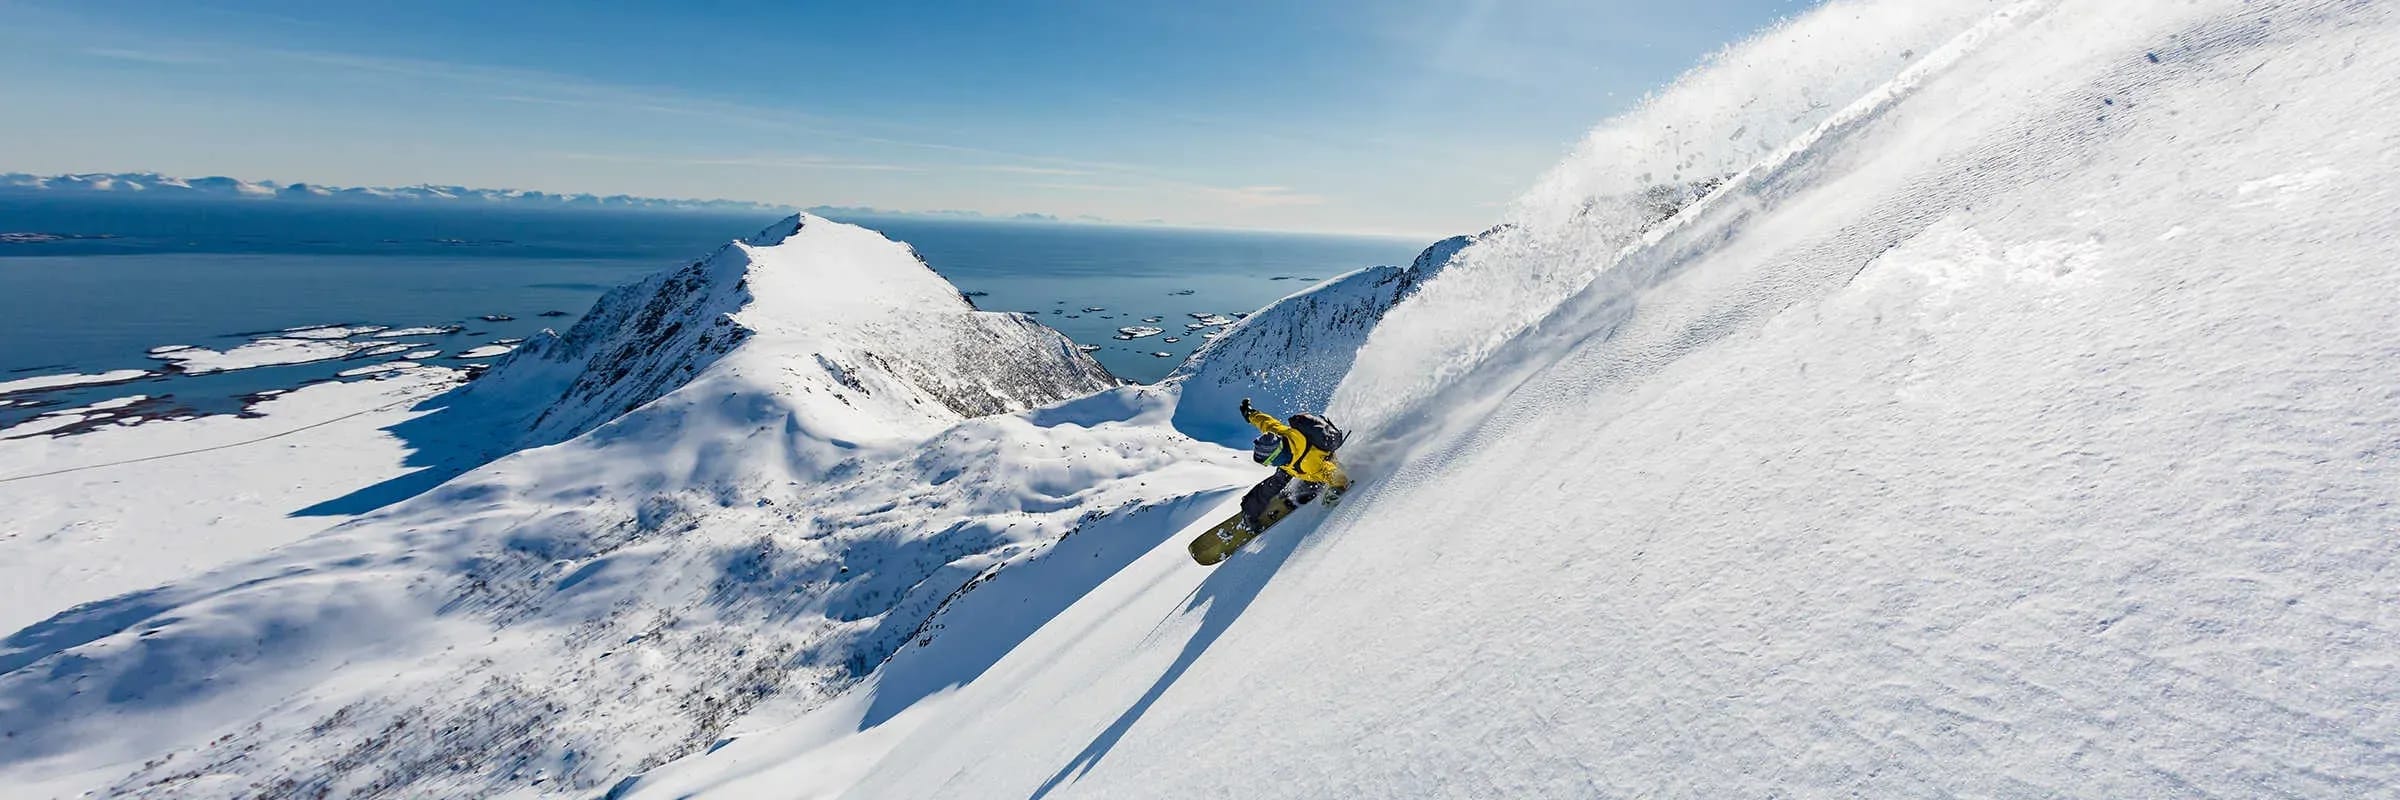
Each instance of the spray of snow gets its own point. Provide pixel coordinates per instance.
(1746, 102)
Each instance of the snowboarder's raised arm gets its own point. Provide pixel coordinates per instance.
(1264, 421)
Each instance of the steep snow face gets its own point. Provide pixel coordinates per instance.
(2024, 427)
(1636, 169)
(1289, 356)
(794, 490)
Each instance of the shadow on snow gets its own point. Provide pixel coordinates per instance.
(1226, 593)
(965, 640)
(458, 435)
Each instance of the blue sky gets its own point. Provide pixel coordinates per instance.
(1416, 117)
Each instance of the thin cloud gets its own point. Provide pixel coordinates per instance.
(1083, 187)
(774, 162)
(533, 87)
(1264, 196)
(1162, 183)
(540, 88)
(1249, 197)
(148, 56)
(1018, 170)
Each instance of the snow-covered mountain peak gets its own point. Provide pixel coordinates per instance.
(846, 328)
(821, 271)
(878, 322)
(755, 474)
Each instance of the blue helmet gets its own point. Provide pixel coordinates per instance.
(1268, 449)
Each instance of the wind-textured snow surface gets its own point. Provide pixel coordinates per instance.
(2017, 418)
(765, 478)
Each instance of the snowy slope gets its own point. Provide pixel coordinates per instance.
(796, 488)
(2019, 423)
(123, 507)
(1288, 356)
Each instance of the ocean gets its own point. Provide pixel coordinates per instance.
(126, 276)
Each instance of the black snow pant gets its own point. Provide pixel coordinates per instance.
(1254, 504)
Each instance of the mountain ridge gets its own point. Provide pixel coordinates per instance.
(151, 184)
(771, 512)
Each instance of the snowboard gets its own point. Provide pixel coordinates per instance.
(1222, 539)
(1225, 537)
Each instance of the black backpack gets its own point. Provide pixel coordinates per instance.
(1319, 431)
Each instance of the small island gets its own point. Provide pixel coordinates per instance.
(1138, 331)
(40, 238)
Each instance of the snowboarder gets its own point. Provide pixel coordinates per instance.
(1302, 449)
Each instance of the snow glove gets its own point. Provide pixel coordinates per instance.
(1246, 409)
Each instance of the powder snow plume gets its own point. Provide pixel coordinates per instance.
(1747, 101)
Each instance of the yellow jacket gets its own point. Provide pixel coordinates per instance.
(1313, 465)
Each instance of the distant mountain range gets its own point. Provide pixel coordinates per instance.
(151, 184)
(154, 184)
